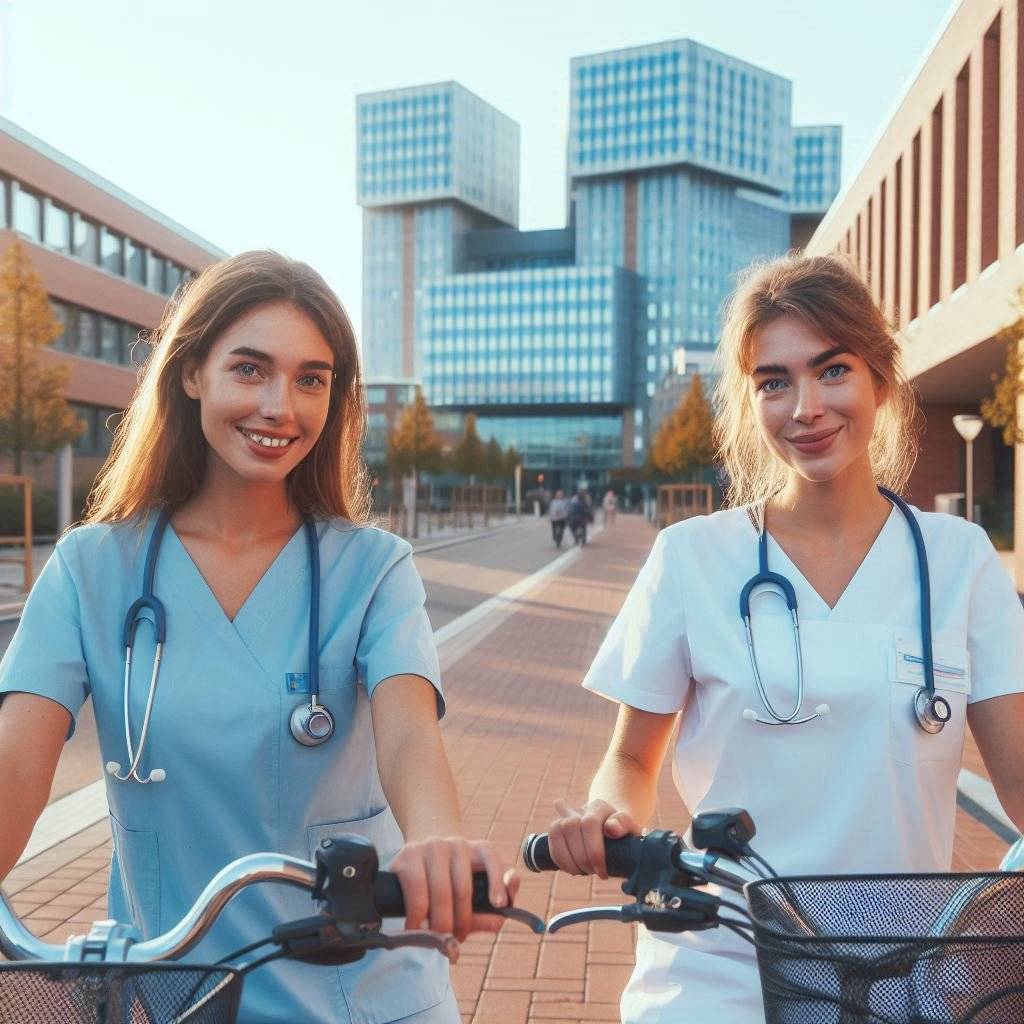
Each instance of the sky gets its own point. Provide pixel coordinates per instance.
(236, 118)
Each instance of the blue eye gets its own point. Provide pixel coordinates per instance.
(841, 367)
(767, 385)
(247, 370)
(312, 380)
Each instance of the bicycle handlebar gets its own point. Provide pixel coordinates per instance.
(623, 856)
(18, 943)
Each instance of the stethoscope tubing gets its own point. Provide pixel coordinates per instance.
(765, 577)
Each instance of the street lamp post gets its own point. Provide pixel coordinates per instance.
(968, 426)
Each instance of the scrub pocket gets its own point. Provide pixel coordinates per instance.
(385, 986)
(137, 855)
(910, 744)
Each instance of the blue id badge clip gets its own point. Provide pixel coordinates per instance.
(296, 682)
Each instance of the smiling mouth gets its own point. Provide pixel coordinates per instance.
(821, 435)
(266, 440)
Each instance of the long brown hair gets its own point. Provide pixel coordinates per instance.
(828, 295)
(159, 452)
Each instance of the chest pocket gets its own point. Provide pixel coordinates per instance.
(910, 744)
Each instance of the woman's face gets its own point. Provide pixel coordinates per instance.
(815, 401)
(263, 391)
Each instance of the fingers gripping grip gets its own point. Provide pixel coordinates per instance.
(387, 894)
(621, 855)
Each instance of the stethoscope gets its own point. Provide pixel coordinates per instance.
(931, 711)
(311, 724)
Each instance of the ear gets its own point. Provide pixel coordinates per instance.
(881, 392)
(190, 379)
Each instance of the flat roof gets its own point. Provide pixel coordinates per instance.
(19, 134)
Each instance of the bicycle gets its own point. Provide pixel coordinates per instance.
(113, 976)
(844, 949)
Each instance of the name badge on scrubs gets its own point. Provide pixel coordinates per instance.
(296, 682)
(950, 663)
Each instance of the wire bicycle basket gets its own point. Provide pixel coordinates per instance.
(890, 949)
(118, 993)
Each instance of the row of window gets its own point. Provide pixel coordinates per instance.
(95, 336)
(381, 185)
(45, 221)
(468, 324)
(100, 424)
(511, 392)
(463, 369)
(387, 109)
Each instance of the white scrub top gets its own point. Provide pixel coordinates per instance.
(237, 781)
(862, 789)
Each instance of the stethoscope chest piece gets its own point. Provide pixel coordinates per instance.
(312, 724)
(931, 710)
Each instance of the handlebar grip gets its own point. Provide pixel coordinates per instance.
(620, 855)
(387, 894)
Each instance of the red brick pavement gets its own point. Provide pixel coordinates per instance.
(520, 733)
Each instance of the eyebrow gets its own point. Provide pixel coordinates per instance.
(265, 357)
(821, 357)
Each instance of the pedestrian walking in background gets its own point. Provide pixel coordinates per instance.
(580, 513)
(609, 506)
(558, 513)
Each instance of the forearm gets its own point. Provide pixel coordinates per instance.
(625, 784)
(411, 759)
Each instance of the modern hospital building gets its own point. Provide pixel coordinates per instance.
(683, 167)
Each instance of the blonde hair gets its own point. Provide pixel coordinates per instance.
(828, 295)
(158, 457)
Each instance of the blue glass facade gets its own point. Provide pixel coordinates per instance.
(679, 103)
(683, 168)
(434, 142)
(591, 442)
(557, 335)
(817, 156)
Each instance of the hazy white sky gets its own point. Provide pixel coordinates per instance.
(237, 117)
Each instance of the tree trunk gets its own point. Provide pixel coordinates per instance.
(19, 383)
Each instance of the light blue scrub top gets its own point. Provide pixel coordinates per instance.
(237, 781)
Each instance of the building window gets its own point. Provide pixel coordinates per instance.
(172, 278)
(88, 334)
(155, 272)
(112, 252)
(58, 228)
(5, 191)
(110, 341)
(28, 209)
(134, 261)
(376, 396)
(86, 239)
(62, 313)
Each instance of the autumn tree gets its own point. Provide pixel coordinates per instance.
(1000, 408)
(512, 459)
(34, 415)
(468, 457)
(494, 461)
(415, 448)
(685, 441)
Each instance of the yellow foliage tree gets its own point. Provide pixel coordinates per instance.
(1000, 409)
(414, 446)
(34, 415)
(685, 440)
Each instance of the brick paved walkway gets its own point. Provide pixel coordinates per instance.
(520, 733)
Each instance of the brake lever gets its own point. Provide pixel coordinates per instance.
(532, 921)
(443, 944)
(627, 913)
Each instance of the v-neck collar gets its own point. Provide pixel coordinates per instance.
(777, 551)
(250, 607)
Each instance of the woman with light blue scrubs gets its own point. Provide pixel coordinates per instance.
(245, 436)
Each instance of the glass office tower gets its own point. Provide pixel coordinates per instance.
(683, 168)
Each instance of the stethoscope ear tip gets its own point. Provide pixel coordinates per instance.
(823, 709)
(112, 767)
(157, 775)
(749, 715)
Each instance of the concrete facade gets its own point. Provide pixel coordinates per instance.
(934, 221)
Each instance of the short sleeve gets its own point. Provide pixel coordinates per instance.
(396, 637)
(995, 627)
(645, 660)
(45, 656)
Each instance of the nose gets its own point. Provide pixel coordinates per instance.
(809, 404)
(276, 399)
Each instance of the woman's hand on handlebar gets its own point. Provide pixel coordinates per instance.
(576, 837)
(436, 876)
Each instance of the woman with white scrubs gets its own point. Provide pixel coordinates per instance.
(247, 426)
(814, 414)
